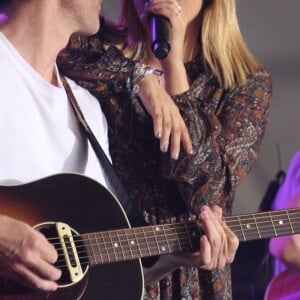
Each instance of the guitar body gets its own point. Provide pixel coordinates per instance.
(85, 206)
(284, 286)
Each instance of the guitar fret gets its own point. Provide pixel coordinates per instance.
(156, 231)
(181, 238)
(93, 245)
(115, 244)
(142, 242)
(151, 241)
(241, 227)
(129, 241)
(106, 242)
(120, 245)
(281, 223)
(275, 232)
(166, 239)
(291, 225)
(188, 235)
(177, 239)
(254, 218)
(90, 250)
(233, 224)
(137, 243)
(196, 233)
(133, 243)
(146, 242)
(184, 238)
(97, 249)
(248, 223)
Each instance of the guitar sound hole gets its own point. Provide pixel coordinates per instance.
(49, 230)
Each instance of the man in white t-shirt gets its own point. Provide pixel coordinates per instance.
(38, 130)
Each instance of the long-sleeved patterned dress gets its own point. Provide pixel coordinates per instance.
(226, 127)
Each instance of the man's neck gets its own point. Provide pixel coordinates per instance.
(37, 37)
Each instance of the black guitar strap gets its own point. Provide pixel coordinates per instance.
(118, 190)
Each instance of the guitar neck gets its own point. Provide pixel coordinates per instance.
(132, 243)
(264, 225)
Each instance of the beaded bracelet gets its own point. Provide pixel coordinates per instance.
(139, 73)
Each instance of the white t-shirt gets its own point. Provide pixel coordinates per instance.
(39, 132)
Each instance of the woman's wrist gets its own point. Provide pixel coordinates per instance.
(139, 73)
(176, 80)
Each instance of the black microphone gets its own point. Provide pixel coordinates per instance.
(160, 36)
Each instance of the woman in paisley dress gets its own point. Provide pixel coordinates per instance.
(182, 141)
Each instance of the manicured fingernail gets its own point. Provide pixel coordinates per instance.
(165, 148)
(191, 150)
(176, 156)
(204, 214)
(158, 134)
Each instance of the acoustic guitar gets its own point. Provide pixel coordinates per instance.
(99, 253)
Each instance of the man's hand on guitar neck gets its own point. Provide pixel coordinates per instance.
(218, 247)
(26, 256)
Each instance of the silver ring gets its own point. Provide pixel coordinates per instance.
(148, 4)
(179, 9)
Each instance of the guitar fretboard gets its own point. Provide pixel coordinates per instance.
(127, 244)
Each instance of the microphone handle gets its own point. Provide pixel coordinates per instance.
(160, 36)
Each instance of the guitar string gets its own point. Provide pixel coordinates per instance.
(178, 226)
(118, 256)
(252, 227)
(116, 252)
(128, 254)
(232, 223)
(248, 233)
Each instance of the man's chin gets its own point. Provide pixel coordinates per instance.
(91, 30)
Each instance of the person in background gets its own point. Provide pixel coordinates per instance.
(285, 249)
(184, 131)
(288, 196)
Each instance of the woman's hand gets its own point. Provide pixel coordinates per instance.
(26, 256)
(168, 123)
(173, 11)
(176, 80)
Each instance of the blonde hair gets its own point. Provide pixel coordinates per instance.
(223, 47)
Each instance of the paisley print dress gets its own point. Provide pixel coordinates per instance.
(226, 127)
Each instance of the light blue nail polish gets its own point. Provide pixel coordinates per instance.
(176, 156)
(165, 148)
(191, 151)
(158, 134)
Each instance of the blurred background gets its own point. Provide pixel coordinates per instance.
(271, 29)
